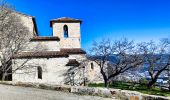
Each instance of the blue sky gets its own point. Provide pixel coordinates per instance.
(139, 20)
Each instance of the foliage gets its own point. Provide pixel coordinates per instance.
(143, 81)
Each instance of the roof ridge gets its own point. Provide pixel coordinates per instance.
(45, 38)
(66, 18)
(40, 54)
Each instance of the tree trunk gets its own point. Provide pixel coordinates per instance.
(105, 83)
(151, 83)
(4, 76)
(104, 77)
(169, 88)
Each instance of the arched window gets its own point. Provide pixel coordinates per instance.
(92, 66)
(39, 69)
(65, 29)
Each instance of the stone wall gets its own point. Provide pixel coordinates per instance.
(73, 30)
(73, 40)
(43, 46)
(116, 93)
(78, 57)
(103, 92)
(54, 70)
(27, 22)
(93, 74)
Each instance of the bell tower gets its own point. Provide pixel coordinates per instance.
(68, 30)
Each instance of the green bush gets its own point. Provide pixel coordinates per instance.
(143, 81)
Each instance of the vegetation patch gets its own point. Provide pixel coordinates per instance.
(134, 87)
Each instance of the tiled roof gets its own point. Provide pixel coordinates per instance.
(49, 54)
(65, 19)
(73, 62)
(73, 50)
(44, 54)
(45, 38)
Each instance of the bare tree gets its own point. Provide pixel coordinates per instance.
(100, 52)
(123, 53)
(156, 57)
(168, 74)
(126, 57)
(13, 37)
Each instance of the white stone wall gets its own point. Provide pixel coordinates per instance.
(53, 70)
(94, 75)
(70, 43)
(27, 22)
(43, 46)
(78, 57)
(73, 40)
(73, 30)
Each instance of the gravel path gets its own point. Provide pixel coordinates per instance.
(8, 92)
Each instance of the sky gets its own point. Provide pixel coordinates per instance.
(138, 20)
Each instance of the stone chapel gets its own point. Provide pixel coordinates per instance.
(53, 64)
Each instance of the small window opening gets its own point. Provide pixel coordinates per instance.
(39, 72)
(92, 66)
(65, 29)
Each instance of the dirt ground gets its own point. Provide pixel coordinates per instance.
(8, 92)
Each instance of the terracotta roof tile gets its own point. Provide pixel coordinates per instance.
(73, 50)
(49, 54)
(44, 54)
(45, 38)
(65, 19)
(73, 62)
